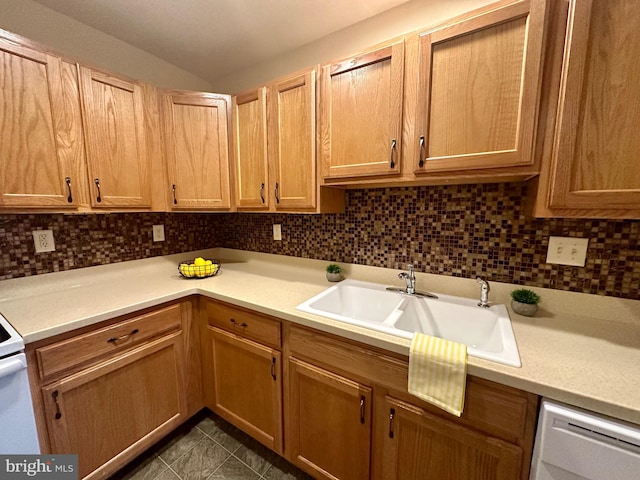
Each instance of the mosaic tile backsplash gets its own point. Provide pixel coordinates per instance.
(458, 230)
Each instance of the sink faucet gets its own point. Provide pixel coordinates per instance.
(410, 279)
(484, 292)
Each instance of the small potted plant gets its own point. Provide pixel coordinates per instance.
(334, 272)
(525, 301)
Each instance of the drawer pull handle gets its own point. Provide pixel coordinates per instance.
(99, 197)
(392, 413)
(232, 320)
(362, 409)
(273, 367)
(67, 180)
(123, 337)
(262, 192)
(54, 395)
(392, 163)
(420, 159)
(276, 192)
(173, 188)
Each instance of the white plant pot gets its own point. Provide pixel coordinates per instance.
(527, 309)
(334, 277)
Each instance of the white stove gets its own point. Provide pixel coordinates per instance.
(18, 433)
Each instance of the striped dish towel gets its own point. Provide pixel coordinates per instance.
(438, 372)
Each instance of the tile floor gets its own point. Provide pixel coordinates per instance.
(209, 448)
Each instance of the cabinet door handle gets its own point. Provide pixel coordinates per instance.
(123, 337)
(420, 157)
(99, 197)
(243, 324)
(67, 180)
(392, 413)
(392, 162)
(173, 188)
(273, 367)
(54, 395)
(276, 192)
(262, 192)
(362, 399)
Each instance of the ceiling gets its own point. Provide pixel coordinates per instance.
(215, 38)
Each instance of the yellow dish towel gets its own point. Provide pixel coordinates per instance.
(438, 372)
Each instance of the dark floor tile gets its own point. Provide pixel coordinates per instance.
(234, 469)
(146, 467)
(200, 461)
(256, 455)
(283, 470)
(167, 475)
(182, 441)
(222, 432)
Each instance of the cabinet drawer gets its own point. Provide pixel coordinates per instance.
(242, 322)
(79, 351)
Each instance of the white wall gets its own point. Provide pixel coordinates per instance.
(79, 41)
(410, 16)
(84, 43)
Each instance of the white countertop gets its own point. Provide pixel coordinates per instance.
(580, 349)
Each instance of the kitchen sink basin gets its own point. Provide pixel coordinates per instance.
(487, 332)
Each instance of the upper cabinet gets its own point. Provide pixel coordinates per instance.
(478, 90)
(41, 151)
(115, 138)
(197, 150)
(361, 115)
(275, 146)
(249, 114)
(292, 135)
(593, 168)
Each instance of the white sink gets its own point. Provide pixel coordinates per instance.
(487, 332)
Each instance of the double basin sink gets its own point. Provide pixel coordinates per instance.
(487, 332)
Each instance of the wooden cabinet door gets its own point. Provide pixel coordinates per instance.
(248, 386)
(330, 421)
(134, 398)
(361, 114)
(292, 141)
(479, 85)
(597, 146)
(41, 136)
(419, 446)
(115, 140)
(250, 143)
(198, 150)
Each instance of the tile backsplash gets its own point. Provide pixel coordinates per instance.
(458, 230)
(86, 240)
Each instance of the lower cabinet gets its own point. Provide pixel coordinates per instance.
(351, 418)
(420, 446)
(248, 386)
(337, 409)
(243, 371)
(330, 419)
(110, 406)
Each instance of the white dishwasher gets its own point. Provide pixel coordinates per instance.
(573, 444)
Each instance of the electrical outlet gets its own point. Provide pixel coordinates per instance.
(43, 241)
(158, 233)
(567, 251)
(277, 231)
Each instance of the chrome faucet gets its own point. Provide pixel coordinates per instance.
(410, 279)
(484, 292)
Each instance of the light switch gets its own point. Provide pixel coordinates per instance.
(567, 251)
(277, 231)
(158, 233)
